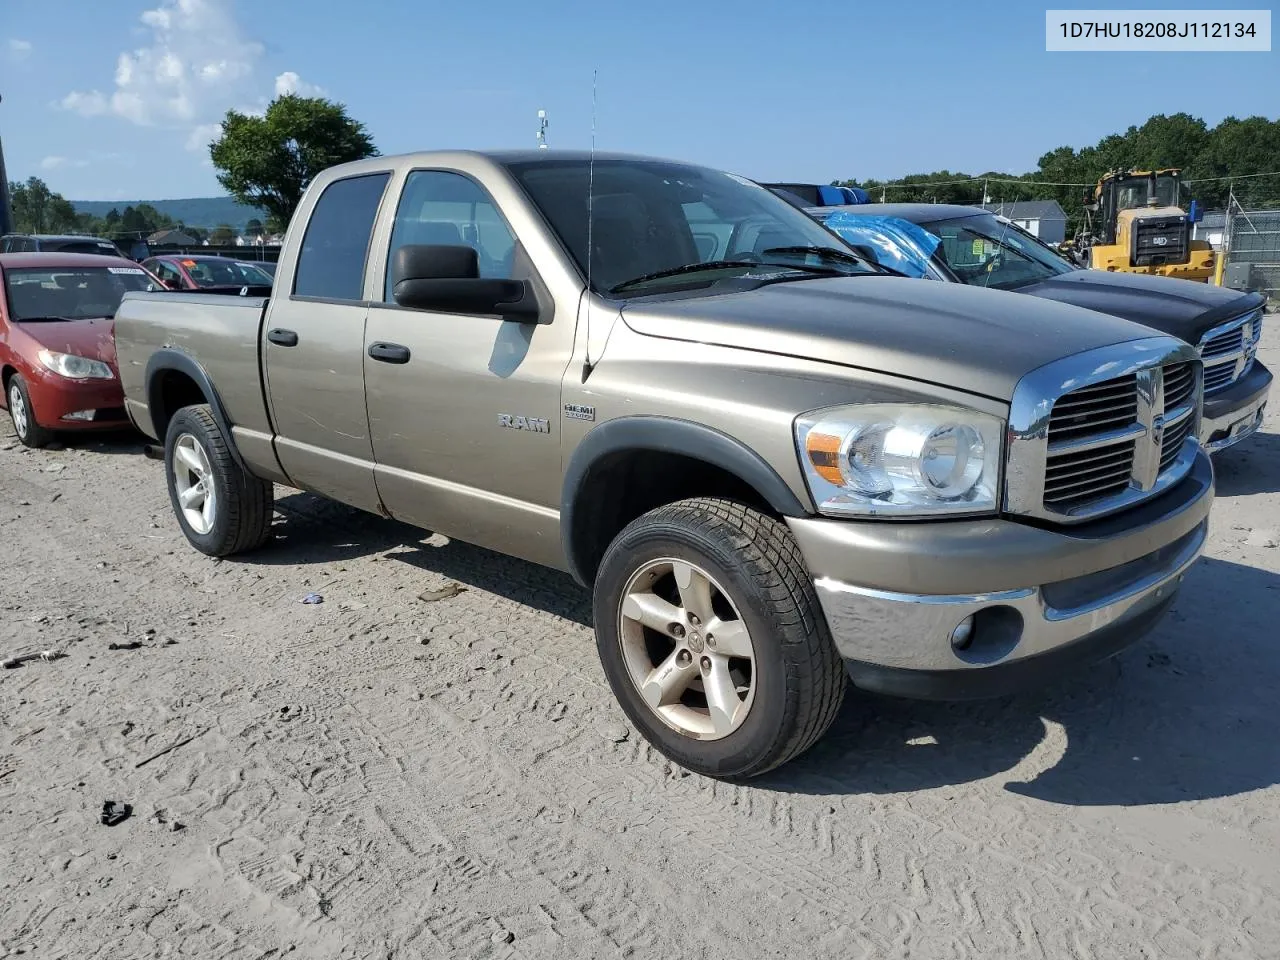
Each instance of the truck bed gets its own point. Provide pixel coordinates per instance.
(221, 334)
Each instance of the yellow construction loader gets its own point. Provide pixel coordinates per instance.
(1135, 225)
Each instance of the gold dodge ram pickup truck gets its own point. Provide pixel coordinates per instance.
(777, 465)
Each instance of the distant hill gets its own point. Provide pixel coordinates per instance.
(207, 212)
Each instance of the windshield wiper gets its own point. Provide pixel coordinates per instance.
(831, 255)
(698, 268)
(45, 319)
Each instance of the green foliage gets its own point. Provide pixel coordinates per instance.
(1233, 149)
(254, 228)
(222, 234)
(268, 161)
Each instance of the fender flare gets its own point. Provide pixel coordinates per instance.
(668, 435)
(171, 359)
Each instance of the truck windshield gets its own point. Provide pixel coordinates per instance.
(656, 225)
(70, 293)
(987, 252)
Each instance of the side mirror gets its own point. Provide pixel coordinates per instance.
(446, 279)
(1194, 213)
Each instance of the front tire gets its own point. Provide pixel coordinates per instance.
(222, 508)
(23, 415)
(712, 639)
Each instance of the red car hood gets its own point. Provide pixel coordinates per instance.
(94, 339)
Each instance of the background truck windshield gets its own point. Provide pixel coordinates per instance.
(70, 293)
(988, 252)
(651, 216)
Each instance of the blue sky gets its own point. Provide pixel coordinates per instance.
(113, 100)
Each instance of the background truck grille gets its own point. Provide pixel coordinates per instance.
(1159, 240)
(1228, 351)
(1093, 435)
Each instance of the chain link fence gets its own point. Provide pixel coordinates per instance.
(1251, 255)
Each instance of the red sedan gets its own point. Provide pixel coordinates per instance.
(57, 349)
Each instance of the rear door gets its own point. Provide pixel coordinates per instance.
(314, 345)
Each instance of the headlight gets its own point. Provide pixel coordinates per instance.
(901, 459)
(75, 368)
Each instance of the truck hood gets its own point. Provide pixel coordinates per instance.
(94, 339)
(967, 338)
(1180, 308)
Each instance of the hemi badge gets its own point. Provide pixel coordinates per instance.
(579, 411)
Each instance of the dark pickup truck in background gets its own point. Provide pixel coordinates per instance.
(959, 244)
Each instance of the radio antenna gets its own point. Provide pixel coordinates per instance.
(591, 247)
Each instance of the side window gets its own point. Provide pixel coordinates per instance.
(336, 244)
(447, 208)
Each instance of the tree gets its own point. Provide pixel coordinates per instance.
(267, 161)
(222, 234)
(254, 228)
(37, 209)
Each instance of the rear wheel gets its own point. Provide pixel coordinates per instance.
(222, 508)
(23, 415)
(712, 639)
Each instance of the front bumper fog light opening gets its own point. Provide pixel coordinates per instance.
(987, 636)
(80, 415)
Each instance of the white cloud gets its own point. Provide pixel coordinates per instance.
(60, 163)
(198, 63)
(202, 135)
(19, 49)
(289, 82)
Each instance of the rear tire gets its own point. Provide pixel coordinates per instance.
(23, 415)
(222, 508)
(738, 705)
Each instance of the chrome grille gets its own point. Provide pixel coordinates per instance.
(1229, 349)
(1179, 385)
(1084, 444)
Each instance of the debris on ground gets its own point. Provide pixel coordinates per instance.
(443, 593)
(180, 743)
(313, 598)
(503, 936)
(47, 656)
(113, 812)
(125, 645)
(1261, 538)
(615, 733)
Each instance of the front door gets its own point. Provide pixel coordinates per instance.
(466, 429)
(314, 347)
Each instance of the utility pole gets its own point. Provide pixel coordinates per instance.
(542, 129)
(6, 213)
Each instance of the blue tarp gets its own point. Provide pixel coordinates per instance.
(899, 244)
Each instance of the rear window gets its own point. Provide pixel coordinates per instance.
(99, 247)
(70, 293)
(336, 244)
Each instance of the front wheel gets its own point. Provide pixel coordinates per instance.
(23, 415)
(222, 508)
(712, 639)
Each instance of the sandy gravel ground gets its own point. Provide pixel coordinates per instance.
(386, 776)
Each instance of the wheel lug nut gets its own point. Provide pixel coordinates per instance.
(711, 640)
(706, 664)
(693, 618)
(684, 657)
(677, 630)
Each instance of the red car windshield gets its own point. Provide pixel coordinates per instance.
(70, 293)
(223, 273)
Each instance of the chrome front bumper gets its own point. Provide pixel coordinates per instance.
(1234, 426)
(1236, 412)
(1085, 594)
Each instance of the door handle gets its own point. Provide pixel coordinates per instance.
(389, 352)
(285, 338)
